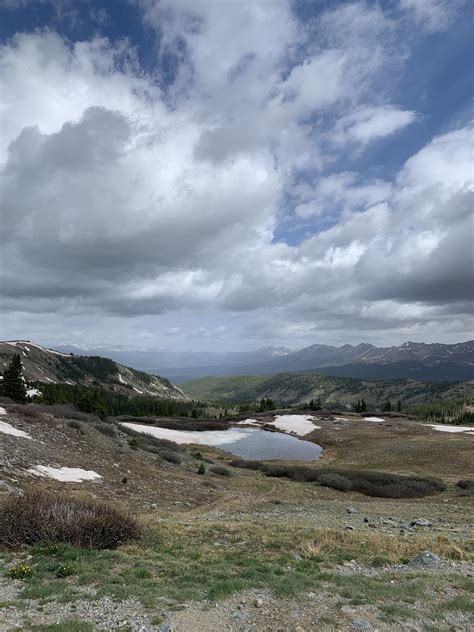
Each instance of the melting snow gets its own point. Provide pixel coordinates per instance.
(137, 390)
(2, 411)
(376, 419)
(446, 428)
(64, 474)
(299, 424)
(204, 437)
(31, 392)
(10, 430)
(121, 380)
(248, 422)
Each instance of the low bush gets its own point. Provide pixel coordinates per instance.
(466, 484)
(369, 483)
(467, 487)
(27, 410)
(146, 441)
(108, 430)
(73, 423)
(248, 465)
(335, 481)
(220, 470)
(67, 411)
(169, 456)
(41, 518)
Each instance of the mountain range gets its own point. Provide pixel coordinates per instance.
(416, 360)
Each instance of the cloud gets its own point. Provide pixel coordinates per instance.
(127, 198)
(370, 123)
(340, 191)
(433, 15)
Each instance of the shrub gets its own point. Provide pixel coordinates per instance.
(201, 469)
(248, 465)
(369, 483)
(220, 470)
(147, 442)
(76, 425)
(41, 518)
(467, 487)
(27, 410)
(466, 484)
(108, 430)
(171, 457)
(68, 411)
(336, 481)
(133, 442)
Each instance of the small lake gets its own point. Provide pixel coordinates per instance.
(248, 443)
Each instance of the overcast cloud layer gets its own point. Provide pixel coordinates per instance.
(261, 184)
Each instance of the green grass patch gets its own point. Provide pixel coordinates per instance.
(183, 561)
(72, 625)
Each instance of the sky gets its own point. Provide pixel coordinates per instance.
(230, 174)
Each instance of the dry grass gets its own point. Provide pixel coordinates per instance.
(328, 544)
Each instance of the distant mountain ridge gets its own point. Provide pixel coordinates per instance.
(417, 360)
(41, 364)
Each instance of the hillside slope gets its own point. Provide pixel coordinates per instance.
(45, 365)
(297, 387)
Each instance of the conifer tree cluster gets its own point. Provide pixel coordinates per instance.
(266, 404)
(361, 406)
(13, 384)
(315, 404)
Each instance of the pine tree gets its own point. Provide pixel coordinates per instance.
(399, 406)
(13, 384)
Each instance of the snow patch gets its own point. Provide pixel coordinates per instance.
(209, 437)
(137, 390)
(446, 428)
(2, 411)
(31, 392)
(374, 419)
(248, 422)
(10, 430)
(121, 380)
(64, 474)
(298, 424)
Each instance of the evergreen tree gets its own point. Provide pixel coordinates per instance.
(13, 383)
(387, 407)
(399, 406)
